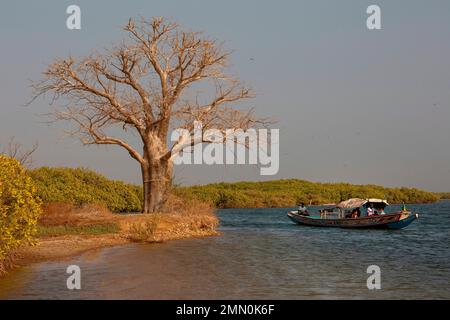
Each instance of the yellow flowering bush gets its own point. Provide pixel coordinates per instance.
(19, 206)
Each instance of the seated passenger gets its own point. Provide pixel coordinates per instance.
(356, 213)
(302, 210)
(370, 210)
(381, 211)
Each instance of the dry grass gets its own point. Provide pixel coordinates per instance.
(179, 219)
(63, 214)
(167, 226)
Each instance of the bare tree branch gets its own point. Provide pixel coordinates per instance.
(15, 150)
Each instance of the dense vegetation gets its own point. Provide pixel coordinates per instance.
(82, 186)
(444, 195)
(288, 193)
(19, 207)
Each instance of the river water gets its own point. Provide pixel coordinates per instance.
(260, 255)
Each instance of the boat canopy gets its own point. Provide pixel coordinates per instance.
(356, 203)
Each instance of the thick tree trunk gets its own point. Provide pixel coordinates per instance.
(156, 176)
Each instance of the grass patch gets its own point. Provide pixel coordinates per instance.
(53, 231)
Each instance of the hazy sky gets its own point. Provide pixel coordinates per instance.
(352, 105)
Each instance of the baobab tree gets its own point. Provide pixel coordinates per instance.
(159, 78)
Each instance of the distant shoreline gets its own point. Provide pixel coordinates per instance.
(291, 192)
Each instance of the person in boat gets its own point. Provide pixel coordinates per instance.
(356, 213)
(352, 214)
(302, 210)
(381, 211)
(370, 210)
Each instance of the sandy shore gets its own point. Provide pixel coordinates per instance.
(62, 247)
(82, 224)
(56, 248)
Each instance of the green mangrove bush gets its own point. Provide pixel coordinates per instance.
(288, 193)
(82, 186)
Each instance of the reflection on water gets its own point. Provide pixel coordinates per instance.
(260, 255)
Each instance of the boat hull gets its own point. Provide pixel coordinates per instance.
(397, 220)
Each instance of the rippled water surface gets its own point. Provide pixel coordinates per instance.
(260, 255)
